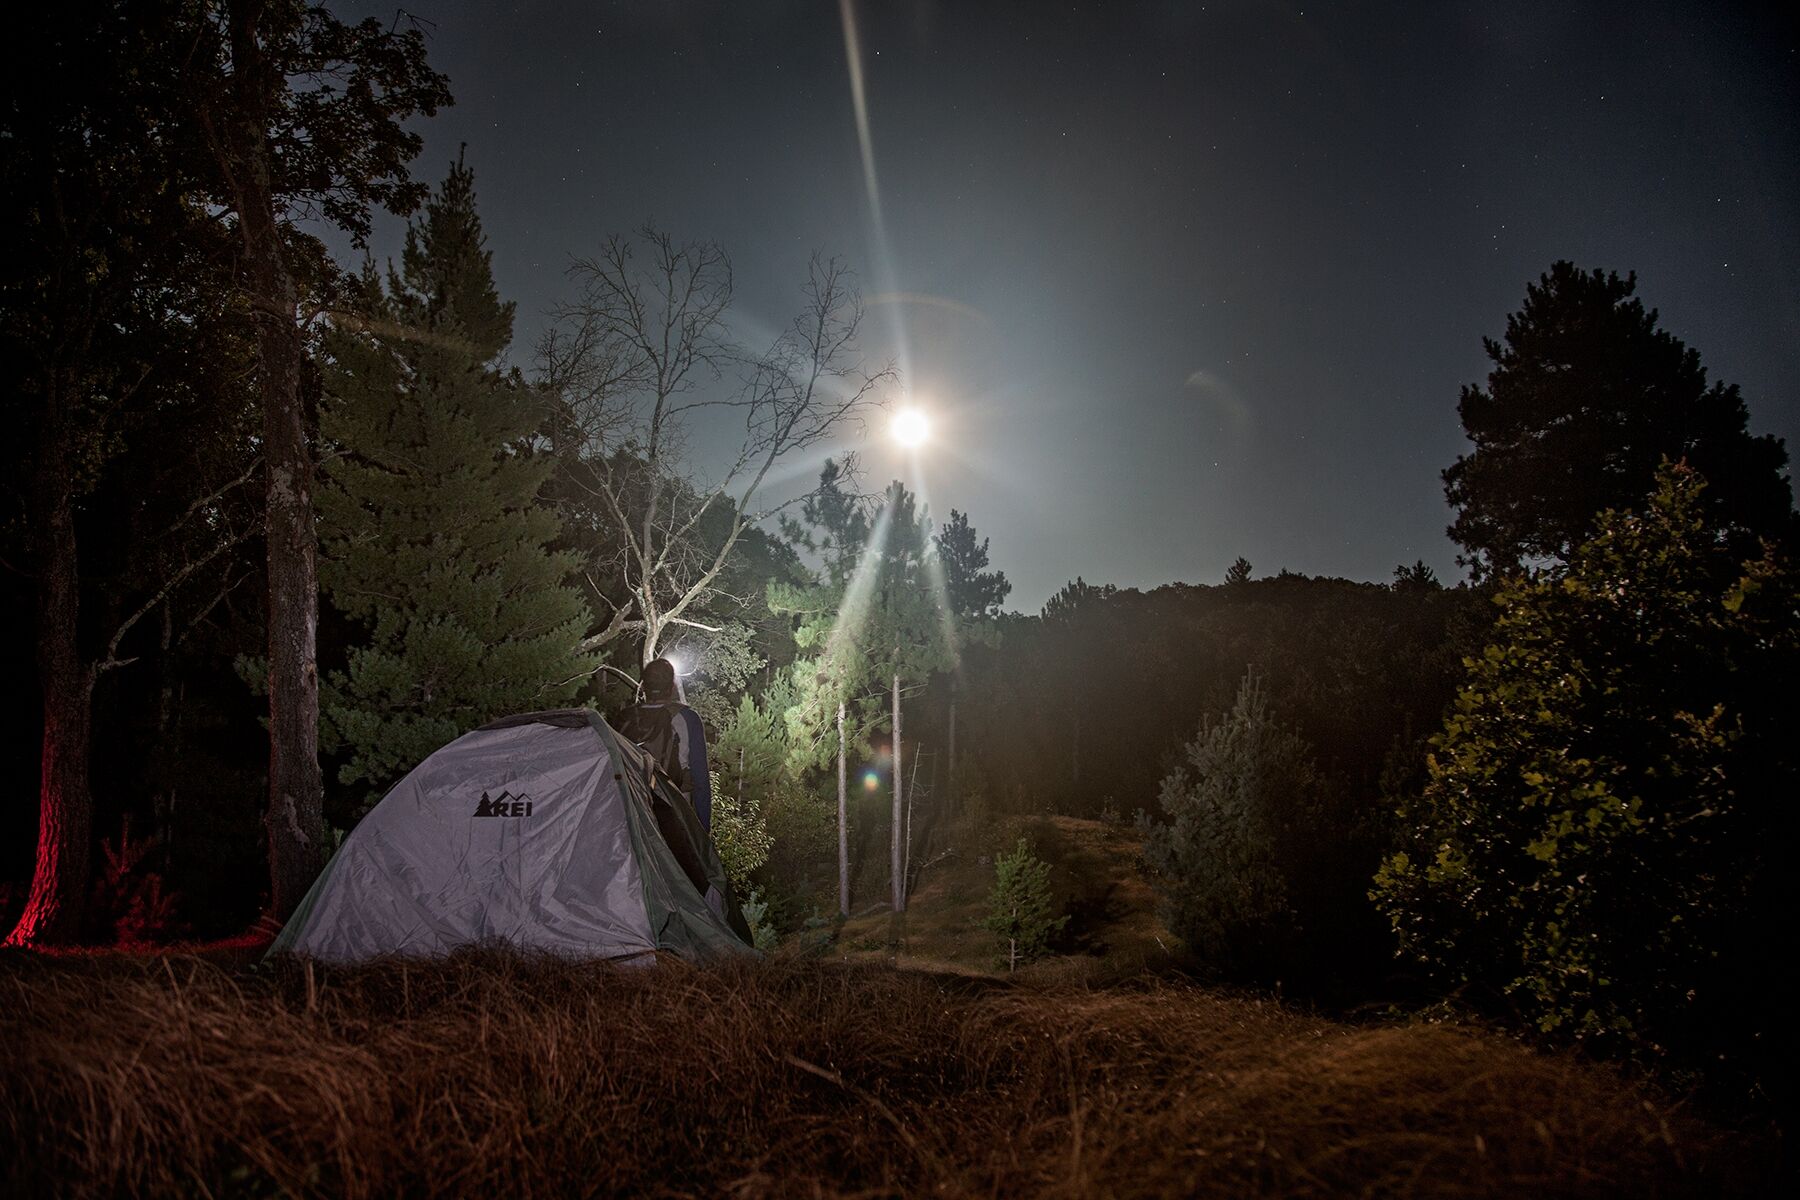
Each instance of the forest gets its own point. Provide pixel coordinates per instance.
(280, 523)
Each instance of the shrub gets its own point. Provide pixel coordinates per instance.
(1602, 837)
(1020, 908)
(756, 914)
(740, 835)
(131, 906)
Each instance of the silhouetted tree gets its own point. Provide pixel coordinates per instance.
(973, 591)
(1417, 578)
(1239, 571)
(304, 114)
(1586, 397)
(1077, 612)
(120, 355)
(975, 596)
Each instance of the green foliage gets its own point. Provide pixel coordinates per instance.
(431, 536)
(971, 590)
(1603, 837)
(1021, 910)
(740, 834)
(1224, 859)
(834, 663)
(1586, 397)
(763, 934)
(906, 628)
(752, 754)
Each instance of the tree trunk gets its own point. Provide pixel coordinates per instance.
(1075, 750)
(295, 820)
(843, 821)
(896, 864)
(59, 880)
(951, 797)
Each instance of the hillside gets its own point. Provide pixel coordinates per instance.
(1112, 927)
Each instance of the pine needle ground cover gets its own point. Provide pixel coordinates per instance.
(494, 1074)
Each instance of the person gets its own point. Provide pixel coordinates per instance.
(672, 734)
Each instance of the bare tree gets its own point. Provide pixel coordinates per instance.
(631, 365)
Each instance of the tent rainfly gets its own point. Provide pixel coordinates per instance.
(547, 831)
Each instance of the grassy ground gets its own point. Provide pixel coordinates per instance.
(497, 1074)
(1094, 879)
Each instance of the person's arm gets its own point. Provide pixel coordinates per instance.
(699, 777)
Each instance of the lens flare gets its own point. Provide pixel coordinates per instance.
(871, 781)
(910, 427)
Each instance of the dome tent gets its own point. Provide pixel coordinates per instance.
(547, 831)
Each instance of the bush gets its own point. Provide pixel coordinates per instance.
(1603, 838)
(763, 934)
(740, 835)
(1235, 810)
(1020, 909)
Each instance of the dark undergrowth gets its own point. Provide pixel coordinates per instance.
(498, 1074)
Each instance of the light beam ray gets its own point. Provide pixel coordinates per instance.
(934, 574)
(853, 612)
(884, 259)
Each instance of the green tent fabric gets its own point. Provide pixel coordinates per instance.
(545, 831)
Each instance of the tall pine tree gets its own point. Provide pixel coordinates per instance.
(432, 539)
(1586, 397)
(911, 634)
(832, 712)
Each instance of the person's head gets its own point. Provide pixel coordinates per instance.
(659, 680)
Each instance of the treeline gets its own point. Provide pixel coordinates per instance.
(1086, 710)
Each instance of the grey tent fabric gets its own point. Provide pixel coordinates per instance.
(543, 831)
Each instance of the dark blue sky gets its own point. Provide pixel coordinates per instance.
(1181, 281)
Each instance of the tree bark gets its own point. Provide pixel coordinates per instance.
(896, 863)
(59, 879)
(951, 797)
(843, 820)
(296, 793)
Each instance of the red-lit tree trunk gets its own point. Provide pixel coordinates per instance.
(296, 794)
(59, 880)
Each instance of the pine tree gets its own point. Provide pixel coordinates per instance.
(1020, 908)
(971, 590)
(910, 633)
(432, 539)
(1586, 397)
(975, 595)
(830, 715)
(1222, 860)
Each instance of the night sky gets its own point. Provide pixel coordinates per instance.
(1178, 282)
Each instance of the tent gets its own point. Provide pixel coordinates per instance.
(547, 831)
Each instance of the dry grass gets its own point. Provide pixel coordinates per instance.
(1094, 879)
(493, 1074)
